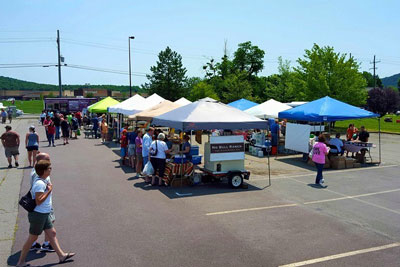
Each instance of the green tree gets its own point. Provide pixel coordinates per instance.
(168, 76)
(89, 95)
(322, 72)
(398, 84)
(249, 58)
(201, 90)
(237, 87)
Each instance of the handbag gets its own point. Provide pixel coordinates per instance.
(27, 202)
(152, 152)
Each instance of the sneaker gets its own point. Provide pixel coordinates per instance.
(10, 166)
(322, 181)
(36, 246)
(47, 248)
(16, 164)
(323, 186)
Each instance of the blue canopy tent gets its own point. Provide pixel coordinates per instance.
(328, 109)
(242, 104)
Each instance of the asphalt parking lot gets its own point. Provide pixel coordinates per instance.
(110, 218)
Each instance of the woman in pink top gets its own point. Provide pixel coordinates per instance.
(319, 152)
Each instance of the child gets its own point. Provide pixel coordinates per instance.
(124, 146)
(51, 130)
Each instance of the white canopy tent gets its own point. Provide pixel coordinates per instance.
(268, 109)
(161, 108)
(209, 99)
(128, 106)
(208, 115)
(182, 101)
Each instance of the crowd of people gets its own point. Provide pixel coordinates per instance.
(6, 114)
(59, 126)
(139, 146)
(335, 146)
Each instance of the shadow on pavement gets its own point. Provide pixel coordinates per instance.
(32, 255)
(298, 162)
(195, 191)
(316, 186)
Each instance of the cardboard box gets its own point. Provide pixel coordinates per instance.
(326, 166)
(356, 165)
(350, 162)
(360, 158)
(338, 164)
(338, 158)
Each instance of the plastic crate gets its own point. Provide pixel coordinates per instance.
(194, 150)
(196, 159)
(179, 159)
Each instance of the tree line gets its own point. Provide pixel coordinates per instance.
(7, 83)
(319, 72)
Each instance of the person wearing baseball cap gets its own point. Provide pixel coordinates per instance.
(10, 140)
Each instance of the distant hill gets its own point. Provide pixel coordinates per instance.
(391, 80)
(7, 83)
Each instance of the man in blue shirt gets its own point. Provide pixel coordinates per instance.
(95, 122)
(147, 140)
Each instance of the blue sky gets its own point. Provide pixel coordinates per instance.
(195, 29)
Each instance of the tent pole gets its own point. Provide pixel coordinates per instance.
(379, 137)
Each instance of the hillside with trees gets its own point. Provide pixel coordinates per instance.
(7, 83)
(393, 80)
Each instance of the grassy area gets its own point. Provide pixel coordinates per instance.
(29, 106)
(371, 124)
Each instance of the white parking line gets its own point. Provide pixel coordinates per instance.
(309, 173)
(315, 202)
(251, 209)
(349, 197)
(341, 255)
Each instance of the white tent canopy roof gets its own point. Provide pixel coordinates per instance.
(268, 109)
(209, 99)
(208, 115)
(182, 101)
(128, 106)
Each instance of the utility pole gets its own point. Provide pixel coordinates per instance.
(374, 68)
(59, 64)
(130, 74)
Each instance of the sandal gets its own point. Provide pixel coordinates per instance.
(68, 256)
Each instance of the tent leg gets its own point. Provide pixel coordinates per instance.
(379, 137)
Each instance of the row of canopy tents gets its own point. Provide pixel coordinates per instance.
(133, 105)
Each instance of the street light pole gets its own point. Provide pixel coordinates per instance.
(59, 65)
(130, 75)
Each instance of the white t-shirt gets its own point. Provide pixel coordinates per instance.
(34, 176)
(40, 186)
(336, 142)
(161, 148)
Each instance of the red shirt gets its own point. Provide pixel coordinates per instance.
(124, 141)
(51, 129)
(78, 115)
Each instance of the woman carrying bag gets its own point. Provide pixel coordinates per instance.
(39, 218)
(158, 150)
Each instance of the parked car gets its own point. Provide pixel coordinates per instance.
(398, 112)
(19, 112)
(11, 99)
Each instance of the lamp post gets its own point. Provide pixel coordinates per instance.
(130, 75)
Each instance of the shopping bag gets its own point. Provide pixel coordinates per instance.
(78, 132)
(148, 169)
